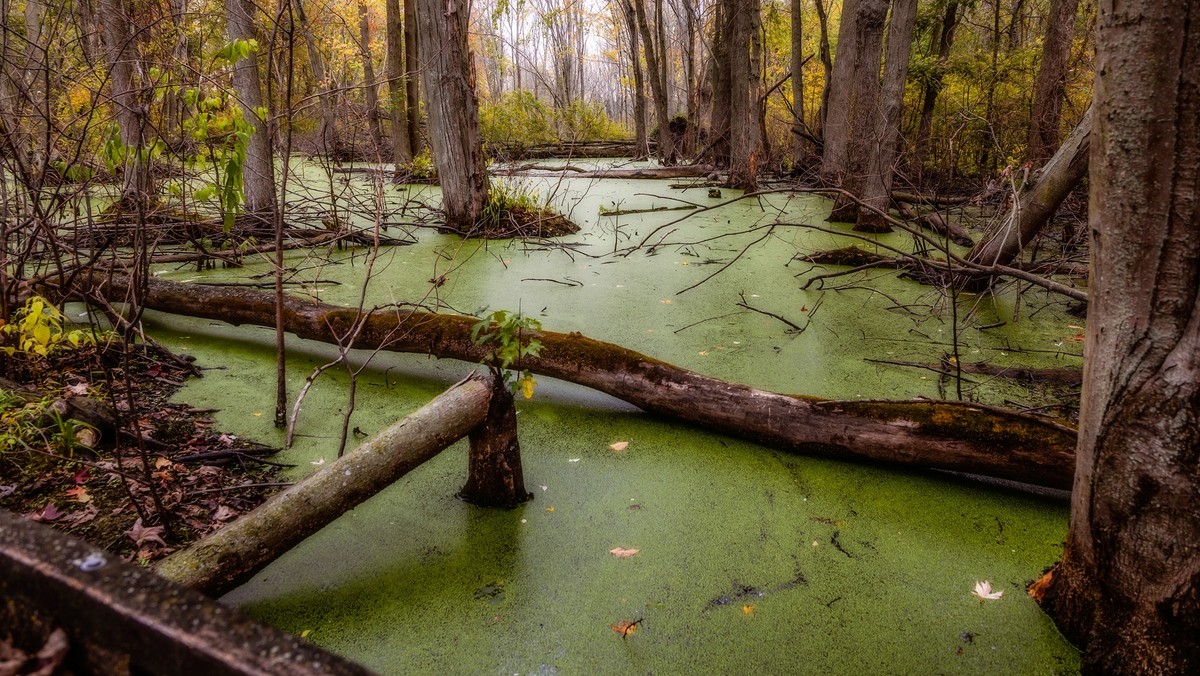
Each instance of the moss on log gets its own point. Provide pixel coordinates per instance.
(957, 436)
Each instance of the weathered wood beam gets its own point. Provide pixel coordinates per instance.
(117, 615)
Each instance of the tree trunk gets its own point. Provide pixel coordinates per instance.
(1127, 591)
(840, 89)
(370, 91)
(453, 112)
(232, 555)
(826, 67)
(934, 87)
(719, 119)
(412, 70)
(494, 476)
(1050, 88)
(331, 141)
(258, 170)
(1038, 199)
(658, 87)
(850, 167)
(957, 436)
(877, 188)
(641, 143)
(401, 151)
(130, 111)
(797, 66)
(744, 130)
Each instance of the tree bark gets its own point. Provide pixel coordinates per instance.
(412, 79)
(880, 164)
(1051, 83)
(1128, 588)
(744, 120)
(401, 151)
(494, 476)
(826, 67)
(655, 57)
(1038, 199)
(957, 436)
(130, 112)
(849, 165)
(934, 87)
(840, 88)
(258, 170)
(797, 67)
(641, 143)
(331, 141)
(370, 91)
(453, 112)
(232, 555)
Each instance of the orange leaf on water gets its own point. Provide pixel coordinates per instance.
(619, 446)
(625, 627)
(622, 553)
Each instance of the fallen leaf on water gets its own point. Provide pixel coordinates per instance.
(625, 627)
(747, 609)
(619, 446)
(622, 553)
(1077, 338)
(318, 461)
(984, 591)
(258, 414)
(665, 301)
(142, 534)
(573, 460)
(79, 494)
(1075, 326)
(549, 509)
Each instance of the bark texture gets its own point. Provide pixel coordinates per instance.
(232, 555)
(745, 131)
(1034, 205)
(130, 114)
(1128, 588)
(948, 435)
(401, 151)
(331, 141)
(655, 65)
(1051, 85)
(258, 170)
(370, 90)
(453, 111)
(494, 476)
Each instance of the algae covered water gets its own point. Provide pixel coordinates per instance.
(747, 559)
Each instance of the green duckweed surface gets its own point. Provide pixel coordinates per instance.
(749, 560)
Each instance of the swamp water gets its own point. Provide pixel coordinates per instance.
(749, 560)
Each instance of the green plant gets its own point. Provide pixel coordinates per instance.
(501, 331)
(37, 330)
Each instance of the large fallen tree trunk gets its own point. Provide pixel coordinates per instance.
(956, 436)
(688, 171)
(235, 553)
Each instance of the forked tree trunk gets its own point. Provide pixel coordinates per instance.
(453, 112)
(1127, 591)
(1034, 205)
(258, 170)
(1050, 87)
(880, 163)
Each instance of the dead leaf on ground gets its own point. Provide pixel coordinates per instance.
(619, 446)
(142, 534)
(224, 513)
(622, 553)
(79, 494)
(82, 516)
(49, 513)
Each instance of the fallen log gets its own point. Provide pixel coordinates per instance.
(934, 221)
(655, 172)
(232, 555)
(958, 436)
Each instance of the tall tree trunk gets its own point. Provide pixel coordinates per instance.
(797, 65)
(719, 119)
(258, 170)
(744, 136)
(658, 86)
(877, 188)
(412, 77)
(1128, 588)
(331, 141)
(691, 25)
(641, 143)
(129, 110)
(401, 151)
(855, 118)
(1034, 205)
(1050, 89)
(370, 90)
(934, 87)
(453, 111)
(826, 67)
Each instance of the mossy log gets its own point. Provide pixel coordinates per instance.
(958, 436)
(235, 553)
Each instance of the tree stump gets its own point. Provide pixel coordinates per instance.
(494, 476)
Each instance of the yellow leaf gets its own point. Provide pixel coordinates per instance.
(549, 509)
(747, 609)
(527, 385)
